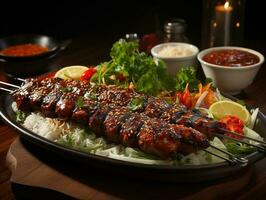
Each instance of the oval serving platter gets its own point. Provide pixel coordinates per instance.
(182, 173)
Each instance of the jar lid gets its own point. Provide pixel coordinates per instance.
(175, 26)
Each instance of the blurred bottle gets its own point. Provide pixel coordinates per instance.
(175, 31)
(148, 41)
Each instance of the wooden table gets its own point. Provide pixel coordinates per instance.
(87, 51)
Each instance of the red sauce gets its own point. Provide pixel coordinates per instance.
(24, 50)
(231, 58)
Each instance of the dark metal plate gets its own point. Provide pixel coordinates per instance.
(185, 173)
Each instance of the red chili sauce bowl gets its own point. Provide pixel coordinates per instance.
(22, 50)
(231, 58)
(28, 55)
(231, 69)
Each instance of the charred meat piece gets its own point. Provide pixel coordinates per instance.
(192, 118)
(114, 121)
(156, 137)
(156, 107)
(191, 136)
(65, 106)
(173, 113)
(130, 129)
(97, 119)
(32, 92)
(71, 94)
(113, 95)
(83, 112)
(201, 123)
(49, 103)
(50, 100)
(21, 96)
(170, 140)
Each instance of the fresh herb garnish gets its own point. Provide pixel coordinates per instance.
(66, 89)
(239, 149)
(186, 76)
(68, 140)
(20, 116)
(170, 101)
(90, 95)
(136, 104)
(208, 80)
(80, 102)
(139, 68)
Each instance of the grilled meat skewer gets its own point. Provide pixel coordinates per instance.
(115, 122)
(154, 136)
(61, 98)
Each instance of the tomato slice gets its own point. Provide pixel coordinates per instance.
(86, 76)
(233, 123)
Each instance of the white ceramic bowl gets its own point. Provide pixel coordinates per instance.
(230, 79)
(174, 64)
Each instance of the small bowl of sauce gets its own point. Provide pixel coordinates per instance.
(231, 58)
(232, 69)
(29, 54)
(24, 50)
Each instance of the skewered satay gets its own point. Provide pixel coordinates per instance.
(66, 94)
(153, 136)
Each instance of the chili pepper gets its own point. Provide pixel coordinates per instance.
(233, 123)
(86, 76)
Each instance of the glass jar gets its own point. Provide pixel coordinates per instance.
(175, 31)
(222, 23)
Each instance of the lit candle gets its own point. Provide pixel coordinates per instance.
(223, 21)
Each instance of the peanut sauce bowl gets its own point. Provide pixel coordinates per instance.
(235, 78)
(30, 65)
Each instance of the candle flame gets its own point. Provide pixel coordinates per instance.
(226, 5)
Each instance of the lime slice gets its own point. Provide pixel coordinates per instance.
(221, 109)
(71, 72)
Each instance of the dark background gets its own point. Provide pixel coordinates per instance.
(113, 18)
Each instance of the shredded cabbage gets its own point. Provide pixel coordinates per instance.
(253, 118)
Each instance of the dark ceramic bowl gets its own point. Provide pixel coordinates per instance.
(22, 66)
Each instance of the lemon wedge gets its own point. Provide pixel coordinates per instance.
(220, 109)
(71, 72)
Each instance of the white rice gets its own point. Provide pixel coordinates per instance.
(49, 128)
(175, 51)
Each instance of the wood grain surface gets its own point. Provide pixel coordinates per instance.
(34, 167)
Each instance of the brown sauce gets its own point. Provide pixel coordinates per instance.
(24, 50)
(231, 58)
